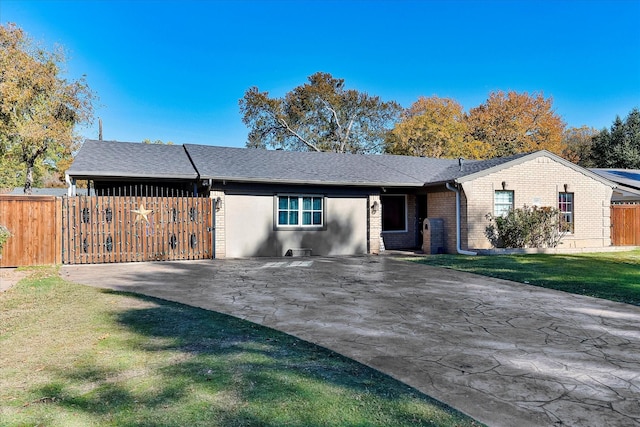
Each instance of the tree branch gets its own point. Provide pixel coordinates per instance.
(284, 123)
(342, 138)
(348, 132)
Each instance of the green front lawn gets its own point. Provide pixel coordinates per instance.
(610, 275)
(72, 355)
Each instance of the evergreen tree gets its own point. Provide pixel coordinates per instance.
(619, 147)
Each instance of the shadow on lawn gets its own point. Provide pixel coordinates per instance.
(220, 370)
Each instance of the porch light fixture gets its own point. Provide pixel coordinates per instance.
(504, 185)
(217, 203)
(566, 187)
(374, 207)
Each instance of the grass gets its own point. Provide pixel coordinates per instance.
(610, 275)
(77, 356)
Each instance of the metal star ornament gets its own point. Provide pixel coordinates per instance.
(142, 213)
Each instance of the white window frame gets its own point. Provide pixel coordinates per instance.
(501, 208)
(406, 213)
(568, 213)
(300, 211)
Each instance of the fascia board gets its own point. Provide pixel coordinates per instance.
(314, 183)
(93, 174)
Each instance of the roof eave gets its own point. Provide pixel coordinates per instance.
(620, 184)
(627, 189)
(94, 175)
(243, 180)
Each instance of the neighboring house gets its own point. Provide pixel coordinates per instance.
(627, 181)
(271, 202)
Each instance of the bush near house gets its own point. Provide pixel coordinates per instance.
(4, 236)
(526, 227)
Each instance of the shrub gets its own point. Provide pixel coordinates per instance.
(4, 236)
(528, 227)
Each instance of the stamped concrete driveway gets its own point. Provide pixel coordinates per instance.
(506, 354)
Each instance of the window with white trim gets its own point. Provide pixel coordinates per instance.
(565, 206)
(300, 211)
(502, 202)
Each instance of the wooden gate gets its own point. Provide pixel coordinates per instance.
(625, 225)
(34, 223)
(103, 229)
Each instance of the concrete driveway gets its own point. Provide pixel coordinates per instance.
(506, 354)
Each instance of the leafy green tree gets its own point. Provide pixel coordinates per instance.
(39, 109)
(619, 147)
(431, 127)
(320, 115)
(577, 144)
(511, 123)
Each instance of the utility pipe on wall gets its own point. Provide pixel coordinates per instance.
(458, 245)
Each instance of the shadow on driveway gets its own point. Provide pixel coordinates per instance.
(504, 353)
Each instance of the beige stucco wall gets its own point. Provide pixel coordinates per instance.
(249, 229)
(539, 181)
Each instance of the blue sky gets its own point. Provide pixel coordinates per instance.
(175, 70)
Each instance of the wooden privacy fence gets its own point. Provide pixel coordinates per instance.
(103, 229)
(625, 225)
(35, 224)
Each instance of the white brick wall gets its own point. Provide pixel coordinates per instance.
(375, 224)
(220, 237)
(539, 181)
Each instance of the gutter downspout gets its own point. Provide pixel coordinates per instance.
(458, 247)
